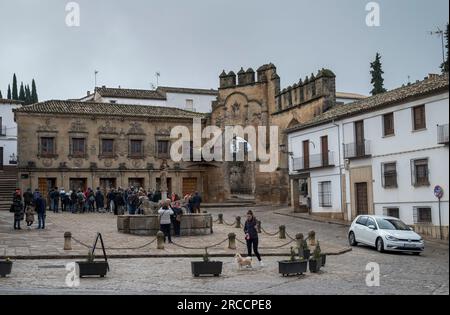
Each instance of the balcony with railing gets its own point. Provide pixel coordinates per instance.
(314, 161)
(443, 134)
(357, 150)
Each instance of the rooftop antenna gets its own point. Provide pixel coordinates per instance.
(440, 33)
(95, 79)
(157, 74)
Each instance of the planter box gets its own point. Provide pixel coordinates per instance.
(288, 267)
(324, 260)
(314, 265)
(5, 268)
(89, 269)
(213, 268)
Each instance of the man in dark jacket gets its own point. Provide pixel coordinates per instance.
(119, 202)
(196, 202)
(41, 209)
(176, 218)
(17, 209)
(28, 197)
(56, 197)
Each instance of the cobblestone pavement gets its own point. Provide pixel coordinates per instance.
(343, 274)
(84, 227)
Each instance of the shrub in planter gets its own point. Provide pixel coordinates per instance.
(5, 268)
(92, 268)
(292, 266)
(306, 250)
(316, 261)
(206, 267)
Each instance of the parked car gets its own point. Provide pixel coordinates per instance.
(385, 234)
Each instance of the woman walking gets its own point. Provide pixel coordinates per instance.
(251, 236)
(165, 214)
(17, 209)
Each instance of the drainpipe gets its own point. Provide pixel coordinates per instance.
(340, 168)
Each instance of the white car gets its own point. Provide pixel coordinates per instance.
(385, 234)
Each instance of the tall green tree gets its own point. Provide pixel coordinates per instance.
(15, 94)
(22, 93)
(377, 76)
(34, 94)
(1, 96)
(27, 95)
(9, 92)
(444, 65)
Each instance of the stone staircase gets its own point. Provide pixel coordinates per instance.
(8, 184)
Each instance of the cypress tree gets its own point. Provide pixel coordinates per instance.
(1, 96)
(15, 95)
(9, 92)
(27, 95)
(34, 95)
(22, 93)
(444, 65)
(377, 76)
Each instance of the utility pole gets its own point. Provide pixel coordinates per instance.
(440, 33)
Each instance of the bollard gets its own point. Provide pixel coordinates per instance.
(160, 240)
(258, 226)
(220, 218)
(238, 222)
(67, 241)
(299, 238)
(312, 238)
(282, 232)
(232, 241)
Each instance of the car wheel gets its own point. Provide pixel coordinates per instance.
(352, 239)
(380, 245)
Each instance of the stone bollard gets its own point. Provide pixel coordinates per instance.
(67, 241)
(160, 240)
(282, 232)
(232, 241)
(258, 226)
(312, 238)
(299, 240)
(205, 212)
(220, 218)
(238, 222)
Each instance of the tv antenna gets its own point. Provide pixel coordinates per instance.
(439, 32)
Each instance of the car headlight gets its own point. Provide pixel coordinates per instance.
(391, 238)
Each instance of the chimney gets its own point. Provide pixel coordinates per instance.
(433, 76)
(88, 93)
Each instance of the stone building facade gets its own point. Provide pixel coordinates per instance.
(78, 145)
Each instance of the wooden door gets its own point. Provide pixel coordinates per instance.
(324, 148)
(359, 138)
(306, 154)
(189, 185)
(1, 158)
(362, 202)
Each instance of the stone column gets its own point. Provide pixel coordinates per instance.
(160, 240)
(282, 232)
(232, 241)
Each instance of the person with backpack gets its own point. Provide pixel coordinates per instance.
(165, 214)
(80, 201)
(90, 200)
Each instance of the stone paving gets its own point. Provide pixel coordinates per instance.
(84, 227)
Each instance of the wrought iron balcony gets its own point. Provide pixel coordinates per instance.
(357, 150)
(443, 134)
(314, 161)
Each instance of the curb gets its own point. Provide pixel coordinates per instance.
(70, 257)
(314, 219)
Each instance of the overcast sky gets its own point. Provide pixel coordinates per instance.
(191, 41)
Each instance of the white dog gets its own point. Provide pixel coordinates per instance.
(241, 262)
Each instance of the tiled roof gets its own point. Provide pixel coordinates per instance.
(432, 85)
(107, 109)
(168, 89)
(130, 93)
(6, 101)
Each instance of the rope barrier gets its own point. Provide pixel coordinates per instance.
(269, 247)
(270, 234)
(211, 246)
(115, 248)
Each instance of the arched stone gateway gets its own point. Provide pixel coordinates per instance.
(148, 225)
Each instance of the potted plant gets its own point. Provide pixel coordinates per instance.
(206, 267)
(306, 250)
(316, 261)
(90, 267)
(5, 267)
(292, 266)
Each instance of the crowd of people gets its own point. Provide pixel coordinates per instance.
(119, 201)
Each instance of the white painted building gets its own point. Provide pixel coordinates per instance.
(198, 100)
(8, 132)
(347, 98)
(389, 150)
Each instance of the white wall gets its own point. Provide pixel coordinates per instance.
(202, 103)
(134, 101)
(8, 142)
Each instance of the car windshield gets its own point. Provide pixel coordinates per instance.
(392, 224)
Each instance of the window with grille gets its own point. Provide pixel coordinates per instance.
(136, 148)
(392, 212)
(78, 147)
(419, 120)
(47, 146)
(107, 147)
(325, 194)
(420, 172)
(388, 124)
(389, 175)
(422, 215)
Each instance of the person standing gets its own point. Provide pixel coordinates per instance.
(176, 218)
(110, 199)
(251, 236)
(41, 211)
(63, 196)
(17, 209)
(29, 215)
(99, 200)
(119, 202)
(165, 222)
(56, 198)
(28, 197)
(73, 201)
(196, 201)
